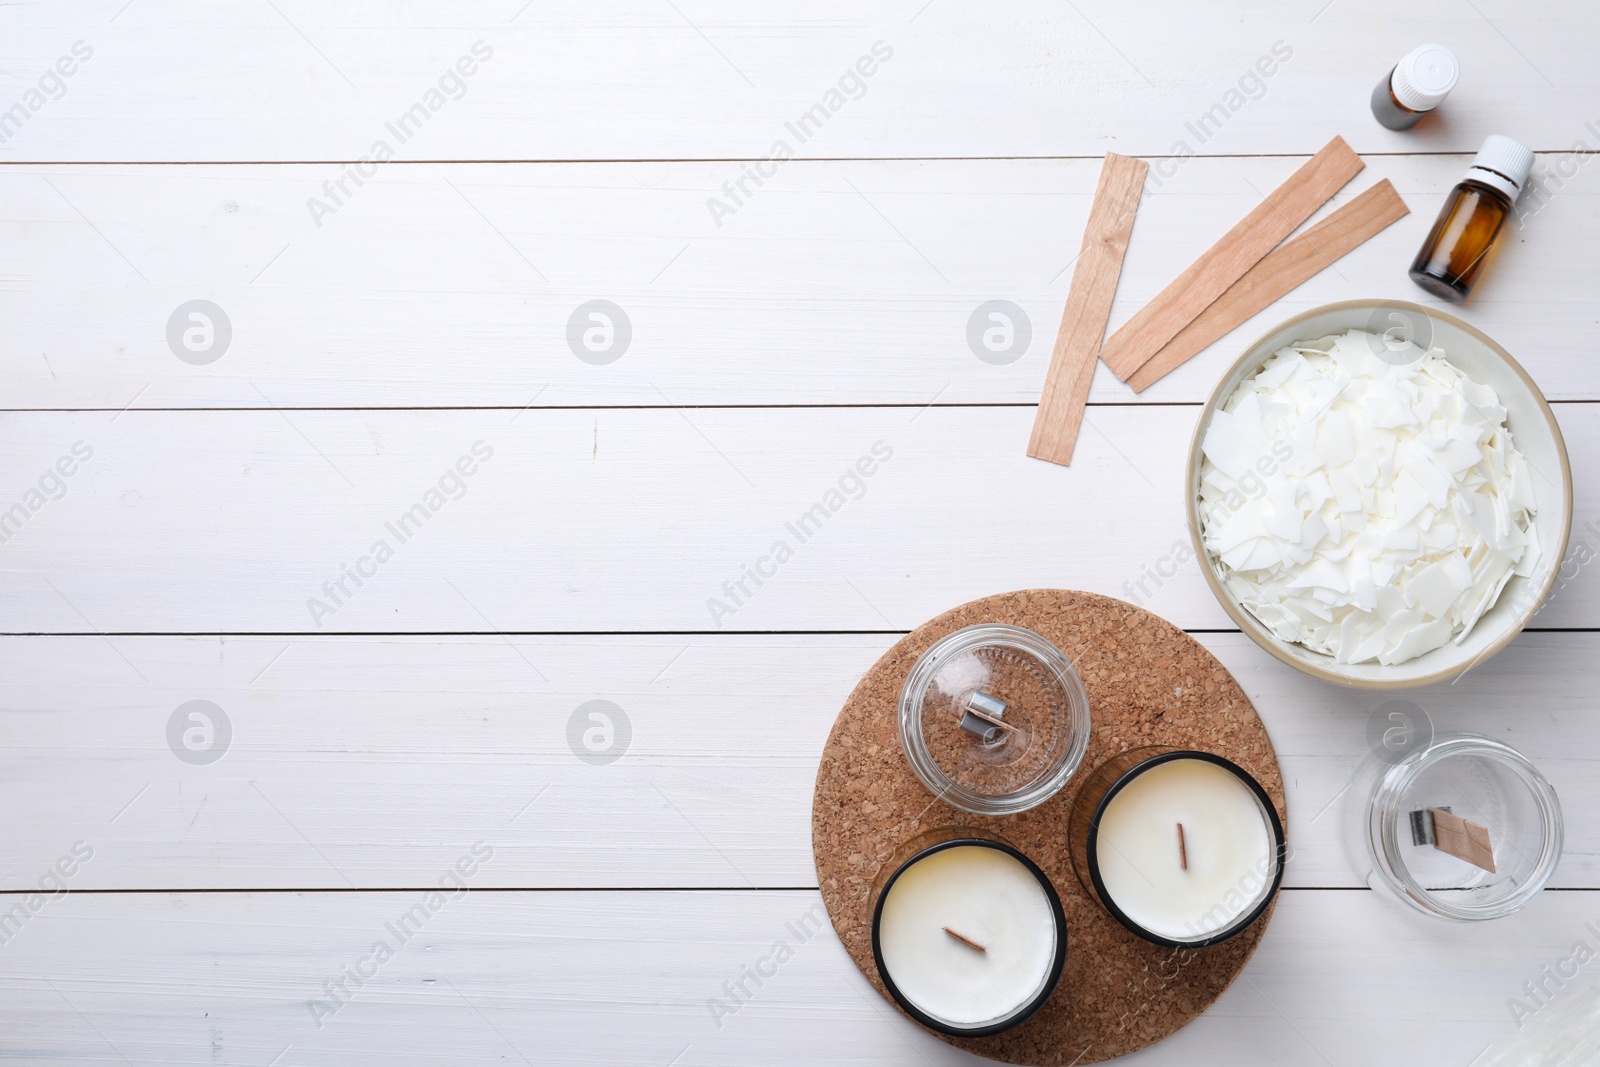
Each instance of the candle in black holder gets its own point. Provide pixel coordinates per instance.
(1184, 848)
(967, 932)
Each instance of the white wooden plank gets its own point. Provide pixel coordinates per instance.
(370, 762)
(838, 282)
(633, 520)
(188, 80)
(1341, 978)
(375, 762)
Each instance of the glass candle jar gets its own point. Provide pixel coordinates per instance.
(967, 932)
(1475, 778)
(1183, 848)
(994, 719)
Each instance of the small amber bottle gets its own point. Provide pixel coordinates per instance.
(1417, 84)
(1453, 255)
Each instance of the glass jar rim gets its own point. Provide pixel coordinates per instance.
(942, 783)
(1385, 820)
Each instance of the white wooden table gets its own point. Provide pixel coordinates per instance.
(433, 713)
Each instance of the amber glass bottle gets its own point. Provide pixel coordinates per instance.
(1452, 257)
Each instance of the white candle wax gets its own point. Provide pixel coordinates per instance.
(980, 893)
(1227, 843)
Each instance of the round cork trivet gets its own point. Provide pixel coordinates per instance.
(1149, 684)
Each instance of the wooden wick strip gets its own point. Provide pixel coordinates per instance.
(1088, 309)
(1462, 839)
(990, 719)
(965, 940)
(1225, 262)
(1277, 275)
(1183, 849)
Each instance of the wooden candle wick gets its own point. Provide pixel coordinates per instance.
(965, 940)
(1277, 275)
(1183, 849)
(1205, 280)
(1462, 839)
(990, 719)
(1088, 309)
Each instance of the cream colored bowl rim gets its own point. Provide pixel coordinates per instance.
(1247, 622)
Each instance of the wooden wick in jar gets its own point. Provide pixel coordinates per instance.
(965, 940)
(991, 720)
(1183, 849)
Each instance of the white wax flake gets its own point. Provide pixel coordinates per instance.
(1364, 500)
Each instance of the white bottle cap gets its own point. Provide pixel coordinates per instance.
(1503, 164)
(1425, 77)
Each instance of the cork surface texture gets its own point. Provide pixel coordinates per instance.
(1149, 683)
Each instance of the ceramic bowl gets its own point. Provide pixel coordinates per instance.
(1533, 428)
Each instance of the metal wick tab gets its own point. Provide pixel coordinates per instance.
(984, 717)
(1422, 827)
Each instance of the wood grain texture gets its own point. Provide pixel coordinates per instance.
(234, 522)
(1225, 262)
(1089, 299)
(408, 298)
(388, 754)
(718, 79)
(1462, 838)
(1277, 275)
(373, 760)
(1148, 684)
(1345, 977)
